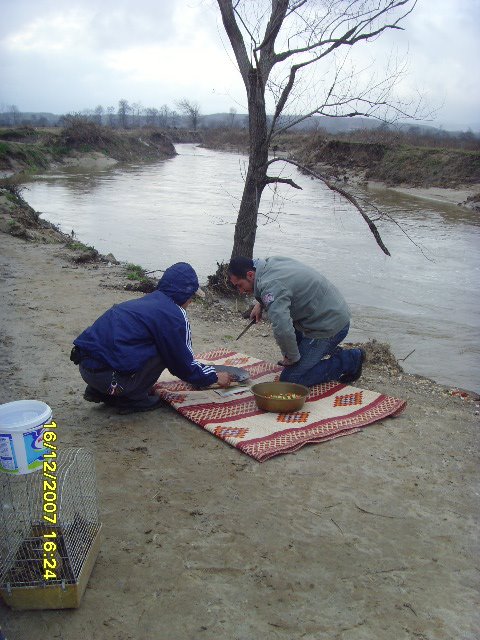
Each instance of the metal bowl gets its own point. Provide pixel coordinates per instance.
(264, 390)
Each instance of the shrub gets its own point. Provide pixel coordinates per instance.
(81, 133)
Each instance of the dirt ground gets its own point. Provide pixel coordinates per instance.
(373, 536)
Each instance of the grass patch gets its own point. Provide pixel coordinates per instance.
(57, 150)
(136, 272)
(140, 280)
(18, 134)
(13, 191)
(79, 246)
(82, 252)
(31, 156)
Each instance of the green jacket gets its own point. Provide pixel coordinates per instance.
(298, 297)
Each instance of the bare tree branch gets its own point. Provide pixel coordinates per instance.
(276, 179)
(354, 34)
(383, 215)
(349, 38)
(279, 13)
(345, 194)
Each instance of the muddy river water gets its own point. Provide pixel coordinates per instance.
(425, 298)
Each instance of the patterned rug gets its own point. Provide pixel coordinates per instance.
(330, 411)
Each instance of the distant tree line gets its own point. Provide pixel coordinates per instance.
(133, 115)
(187, 115)
(11, 116)
(128, 115)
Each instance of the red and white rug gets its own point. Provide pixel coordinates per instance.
(330, 411)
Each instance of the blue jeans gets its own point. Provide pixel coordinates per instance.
(314, 367)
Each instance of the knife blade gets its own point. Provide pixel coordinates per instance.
(246, 328)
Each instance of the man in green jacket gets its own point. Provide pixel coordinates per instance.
(309, 317)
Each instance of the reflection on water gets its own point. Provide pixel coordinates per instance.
(425, 297)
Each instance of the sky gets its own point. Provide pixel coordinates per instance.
(71, 55)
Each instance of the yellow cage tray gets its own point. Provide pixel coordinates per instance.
(54, 596)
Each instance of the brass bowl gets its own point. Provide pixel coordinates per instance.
(264, 390)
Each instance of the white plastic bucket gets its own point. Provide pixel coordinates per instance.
(21, 435)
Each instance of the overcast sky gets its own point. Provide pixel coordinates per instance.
(72, 55)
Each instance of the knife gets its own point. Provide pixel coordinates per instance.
(246, 328)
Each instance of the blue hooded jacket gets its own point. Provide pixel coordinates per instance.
(132, 332)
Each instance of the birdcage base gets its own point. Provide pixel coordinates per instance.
(54, 596)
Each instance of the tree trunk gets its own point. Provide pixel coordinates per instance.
(255, 181)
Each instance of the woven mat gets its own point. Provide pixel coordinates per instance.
(330, 411)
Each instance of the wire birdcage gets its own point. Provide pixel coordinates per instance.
(46, 552)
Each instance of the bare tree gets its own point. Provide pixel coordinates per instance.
(191, 110)
(309, 33)
(173, 118)
(123, 111)
(14, 114)
(163, 116)
(137, 110)
(111, 116)
(151, 116)
(98, 115)
(232, 114)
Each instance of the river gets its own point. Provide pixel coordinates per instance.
(425, 298)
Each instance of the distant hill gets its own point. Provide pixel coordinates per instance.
(316, 123)
(237, 121)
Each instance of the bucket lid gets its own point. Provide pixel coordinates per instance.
(23, 414)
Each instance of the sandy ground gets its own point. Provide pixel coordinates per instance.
(459, 195)
(368, 537)
(93, 160)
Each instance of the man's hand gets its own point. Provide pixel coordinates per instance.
(285, 362)
(256, 312)
(224, 379)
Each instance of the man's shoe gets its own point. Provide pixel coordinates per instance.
(140, 407)
(348, 378)
(92, 395)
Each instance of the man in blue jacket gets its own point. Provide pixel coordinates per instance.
(309, 317)
(123, 353)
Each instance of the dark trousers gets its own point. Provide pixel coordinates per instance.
(134, 387)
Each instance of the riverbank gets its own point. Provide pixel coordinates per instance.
(463, 195)
(394, 162)
(373, 535)
(79, 143)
